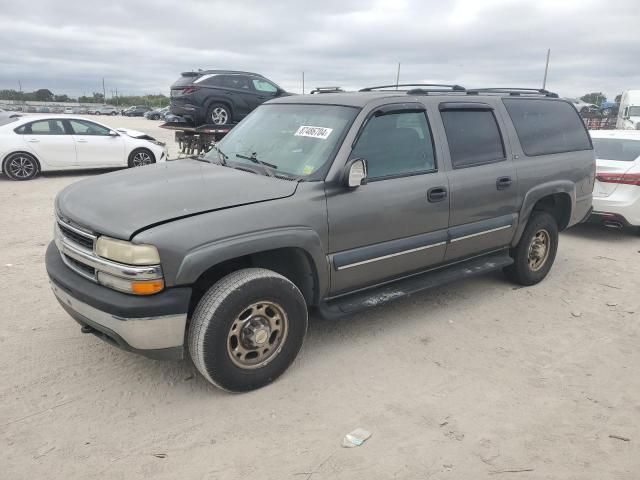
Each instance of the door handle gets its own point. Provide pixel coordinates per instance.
(436, 194)
(33, 140)
(503, 182)
(82, 140)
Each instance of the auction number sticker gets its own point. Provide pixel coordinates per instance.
(314, 132)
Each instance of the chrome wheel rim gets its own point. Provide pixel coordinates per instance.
(219, 116)
(539, 250)
(141, 158)
(21, 167)
(257, 335)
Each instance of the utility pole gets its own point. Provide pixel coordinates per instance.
(303, 83)
(398, 76)
(104, 92)
(546, 69)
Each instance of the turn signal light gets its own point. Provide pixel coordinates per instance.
(147, 288)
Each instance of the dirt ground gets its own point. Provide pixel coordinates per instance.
(479, 379)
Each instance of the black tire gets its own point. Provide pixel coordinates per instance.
(141, 157)
(113, 114)
(218, 114)
(21, 166)
(541, 224)
(221, 312)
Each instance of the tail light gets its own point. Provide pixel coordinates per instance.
(189, 90)
(622, 178)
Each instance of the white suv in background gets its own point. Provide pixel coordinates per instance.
(616, 194)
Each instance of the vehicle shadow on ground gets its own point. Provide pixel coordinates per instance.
(329, 336)
(61, 174)
(596, 231)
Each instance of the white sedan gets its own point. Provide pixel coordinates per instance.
(33, 144)
(616, 193)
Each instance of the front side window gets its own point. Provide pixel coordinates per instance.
(84, 127)
(545, 127)
(263, 86)
(396, 144)
(473, 137)
(621, 149)
(293, 139)
(43, 127)
(634, 111)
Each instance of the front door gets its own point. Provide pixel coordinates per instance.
(96, 148)
(482, 180)
(50, 142)
(396, 223)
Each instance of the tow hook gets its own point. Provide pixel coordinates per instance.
(87, 329)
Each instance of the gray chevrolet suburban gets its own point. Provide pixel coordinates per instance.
(331, 203)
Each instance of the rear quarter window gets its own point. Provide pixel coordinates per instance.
(545, 127)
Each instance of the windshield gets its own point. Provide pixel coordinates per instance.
(290, 139)
(634, 111)
(616, 149)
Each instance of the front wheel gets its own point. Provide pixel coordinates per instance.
(141, 157)
(247, 329)
(536, 250)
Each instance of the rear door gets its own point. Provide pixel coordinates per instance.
(95, 147)
(482, 179)
(50, 142)
(241, 94)
(396, 223)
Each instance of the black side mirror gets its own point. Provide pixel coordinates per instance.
(355, 173)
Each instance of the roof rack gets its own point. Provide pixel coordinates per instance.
(326, 90)
(441, 87)
(515, 92)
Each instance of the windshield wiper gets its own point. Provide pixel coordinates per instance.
(222, 157)
(253, 158)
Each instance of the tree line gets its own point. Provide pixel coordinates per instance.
(46, 95)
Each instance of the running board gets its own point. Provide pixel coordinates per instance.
(405, 287)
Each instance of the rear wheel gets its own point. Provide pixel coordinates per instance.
(219, 114)
(141, 157)
(247, 329)
(21, 166)
(536, 250)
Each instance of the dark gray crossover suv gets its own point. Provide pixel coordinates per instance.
(220, 97)
(335, 203)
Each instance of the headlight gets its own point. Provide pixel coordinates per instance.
(127, 252)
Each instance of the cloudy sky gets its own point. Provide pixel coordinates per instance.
(142, 46)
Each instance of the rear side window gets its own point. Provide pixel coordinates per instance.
(42, 127)
(473, 137)
(545, 127)
(236, 81)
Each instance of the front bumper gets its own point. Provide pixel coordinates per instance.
(152, 326)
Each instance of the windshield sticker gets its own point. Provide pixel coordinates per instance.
(314, 132)
(308, 169)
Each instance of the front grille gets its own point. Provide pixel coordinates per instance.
(79, 266)
(83, 241)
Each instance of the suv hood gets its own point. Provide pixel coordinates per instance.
(121, 204)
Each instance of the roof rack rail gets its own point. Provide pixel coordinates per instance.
(453, 88)
(326, 90)
(513, 91)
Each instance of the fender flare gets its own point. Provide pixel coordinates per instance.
(199, 260)
(535, 194)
